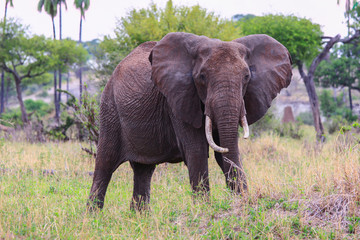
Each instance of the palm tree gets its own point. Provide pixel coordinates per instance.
(83, 5)
(60, 37)
(50, 7)
(347, 15)
(2, 99)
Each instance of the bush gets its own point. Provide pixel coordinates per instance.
(331, 107)
(269, 123)
(335, 123)
(34, 108)
(38, 107)
(266, 123)
(305, 118)
(289, 129)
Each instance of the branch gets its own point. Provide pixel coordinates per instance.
(350, 39)
(356, 88)
(6, 68)
(323, 54)
(301, 69)
(29, 75)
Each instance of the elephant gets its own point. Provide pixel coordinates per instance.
(168, 101)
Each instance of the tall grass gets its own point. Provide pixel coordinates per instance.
(297, 190)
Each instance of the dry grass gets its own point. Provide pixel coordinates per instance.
(297, 190)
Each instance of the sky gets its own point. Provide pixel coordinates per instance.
(102, 16)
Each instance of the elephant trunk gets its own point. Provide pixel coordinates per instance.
(227, 127)
(209, 137)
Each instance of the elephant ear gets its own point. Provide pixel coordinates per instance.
(172, 63)
(270, 65)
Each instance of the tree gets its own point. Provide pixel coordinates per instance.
(152, 24)
(2, 90)
(50, 7)
(27, 58)
(60, 37)
(82, 5)
(303, 40)
(23, 57)
(66, 53)
(341, 70)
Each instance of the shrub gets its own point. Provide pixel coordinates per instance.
(36, 108)
(305, 118)
(331, 107)
(266, 123)
(269, 123)
(289, 129)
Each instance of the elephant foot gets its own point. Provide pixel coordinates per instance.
(139, 205)
(94, 205)
(237, 187)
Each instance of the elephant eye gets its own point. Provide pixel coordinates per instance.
(247, 77)
(202, 78)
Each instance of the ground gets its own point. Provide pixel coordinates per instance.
(297, 190)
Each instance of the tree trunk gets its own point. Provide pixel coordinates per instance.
(60, 76)
(334, 94)
(80, 70)
(350, 98)
(7, 92)
(24, 116)
(53, 23)
(55, 83)
(2, 107)
(67, 85)
(56, 99)
(314, 102)
(2, 93)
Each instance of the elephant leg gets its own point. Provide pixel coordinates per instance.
(233, 170)
(108, 159)
(142, 181)
(106, 164)
(199, 176)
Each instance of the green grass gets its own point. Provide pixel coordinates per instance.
(296, 191)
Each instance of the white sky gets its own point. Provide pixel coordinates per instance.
(102, 14)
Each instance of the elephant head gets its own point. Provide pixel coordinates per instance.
(228, 82)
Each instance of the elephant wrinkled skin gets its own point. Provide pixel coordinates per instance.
(154, 106)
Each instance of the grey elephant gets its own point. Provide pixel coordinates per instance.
(168, 101)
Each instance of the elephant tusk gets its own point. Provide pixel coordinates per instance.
(245, 126)
(209, 137)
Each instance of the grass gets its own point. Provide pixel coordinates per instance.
(297, 190)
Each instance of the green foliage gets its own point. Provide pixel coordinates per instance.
(86, 115)
(36, 108)
(342, 69)
(67, 53)
(242, 17)
(30, 55)
(50, 7)
(305, 118)
(269, 123)
(266, 123)
(152, 24)
(354, 14)
(83, 5)
(299, 35)
(289, 129)
(331, 107)
(39, 107)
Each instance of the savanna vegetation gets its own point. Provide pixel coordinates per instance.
(297, 190)
(300, 186)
